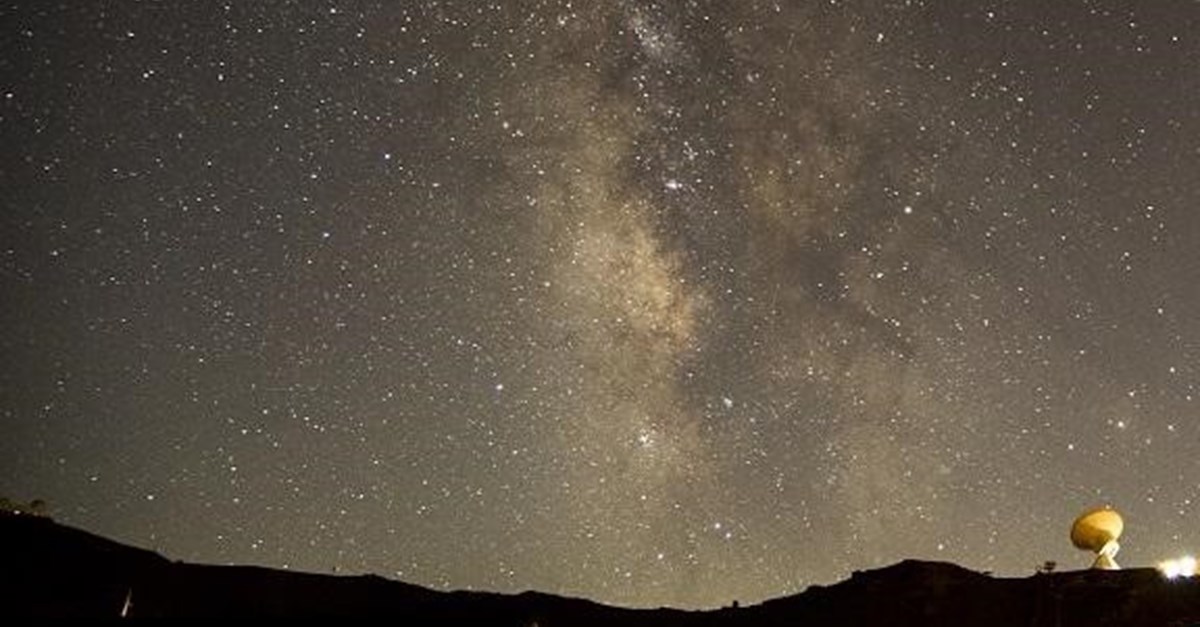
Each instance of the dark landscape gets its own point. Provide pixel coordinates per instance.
(55, 571)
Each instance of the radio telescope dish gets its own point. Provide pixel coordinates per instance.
(1097, 531)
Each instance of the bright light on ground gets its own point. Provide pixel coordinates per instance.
(1179, 567)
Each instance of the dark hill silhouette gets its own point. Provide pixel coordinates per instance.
(51, 570)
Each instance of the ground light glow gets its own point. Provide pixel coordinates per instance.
(1179, 567)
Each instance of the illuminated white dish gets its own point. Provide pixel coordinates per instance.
(1097, 531)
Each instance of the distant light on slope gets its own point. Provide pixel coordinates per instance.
(1179, 567)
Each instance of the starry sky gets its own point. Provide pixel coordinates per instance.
(650, 302)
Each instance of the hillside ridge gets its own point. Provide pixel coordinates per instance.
(53, 570)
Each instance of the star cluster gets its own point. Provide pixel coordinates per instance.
(649, 302)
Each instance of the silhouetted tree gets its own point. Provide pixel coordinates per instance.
(36, 507)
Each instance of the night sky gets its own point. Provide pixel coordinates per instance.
(648, 302)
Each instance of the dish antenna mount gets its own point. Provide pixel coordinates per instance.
(1097, 531)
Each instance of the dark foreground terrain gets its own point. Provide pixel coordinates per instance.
(50, 570)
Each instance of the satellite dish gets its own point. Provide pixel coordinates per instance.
(1097, 531)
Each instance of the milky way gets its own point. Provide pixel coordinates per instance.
(648, 302)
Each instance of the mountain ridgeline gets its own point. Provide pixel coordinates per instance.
(51, 571)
